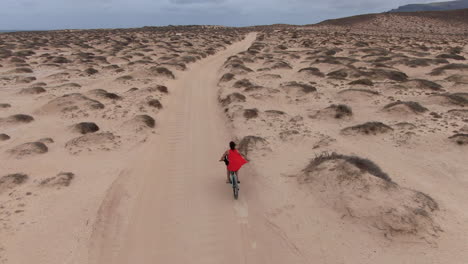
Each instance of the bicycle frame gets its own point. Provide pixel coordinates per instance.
(235, 186)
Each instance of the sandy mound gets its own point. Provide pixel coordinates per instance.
(139, 123)
(62, 179)
(232, 98)
(68, 103)
(369, 128)
(33, 90)
(28, 149)
(423, 84)
(155, 103)
(101, 93)
(161, 72)
(251, 145)
(460, 99)
(365, 82)
(358, 189)
(339, 111)
(16, 119)
(303, 88)
(10, 181)
(357, 94)
(312, 71)
(460, 139)
(90, 142)
(458, 78)
(227, 77)
(85, 127)
(404, 108)
(459, 112)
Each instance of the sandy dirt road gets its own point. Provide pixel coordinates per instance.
(183, 211)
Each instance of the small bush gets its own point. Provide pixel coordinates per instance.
(147, 120)
(21, 118)
(85, 127)
(369, 128)
(251, 113)
(5, 105)
(366, 82)
(91, 71)
(162, 71)
(33, 90)
(460, 139)
(306, 88)
(227, 77)
(4, 137)
(341, 110)
(155, 103)
(312, 71)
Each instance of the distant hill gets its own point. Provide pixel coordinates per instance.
(441, 22)
(437, 6)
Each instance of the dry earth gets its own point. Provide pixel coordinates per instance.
(357, 139)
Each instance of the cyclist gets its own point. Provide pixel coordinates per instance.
(234, 161)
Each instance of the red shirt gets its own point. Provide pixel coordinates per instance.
(236, 161)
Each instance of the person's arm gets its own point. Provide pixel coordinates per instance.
(223, 156)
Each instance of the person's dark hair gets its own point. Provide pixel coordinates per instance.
(232, 145)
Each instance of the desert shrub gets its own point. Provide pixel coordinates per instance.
(104, 94)
(60, 60)
(85, 127)
(426, 84)
(338, 74)
(306, 88)
(251, 113)
(91, 71)
(24, 53)
(275, 112)
(125, 78)
(162, 89)
(244, 83)
(23, 70)
(227, 77)
(33, 90)
(162, 71)
(460, 139)
(457, 98)
(62, 179)
(250, 143)
(5, 105)
(312, 71)
(10, 180)
(146, 119)
(451, 56)
(389, 74)
(369, 128)
(155, 103)
(452, 66)
(234, 97)
(341, 110)
(364, 165)
(360, 90)
(4, 137)
(281, 65)
(29, 149)
(414, 106)
(366, 82)
(21, 118)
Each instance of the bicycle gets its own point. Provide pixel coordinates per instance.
(235, 185)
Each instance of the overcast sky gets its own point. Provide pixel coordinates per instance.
(62, 14)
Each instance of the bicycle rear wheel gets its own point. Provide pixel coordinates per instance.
(235, 187)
